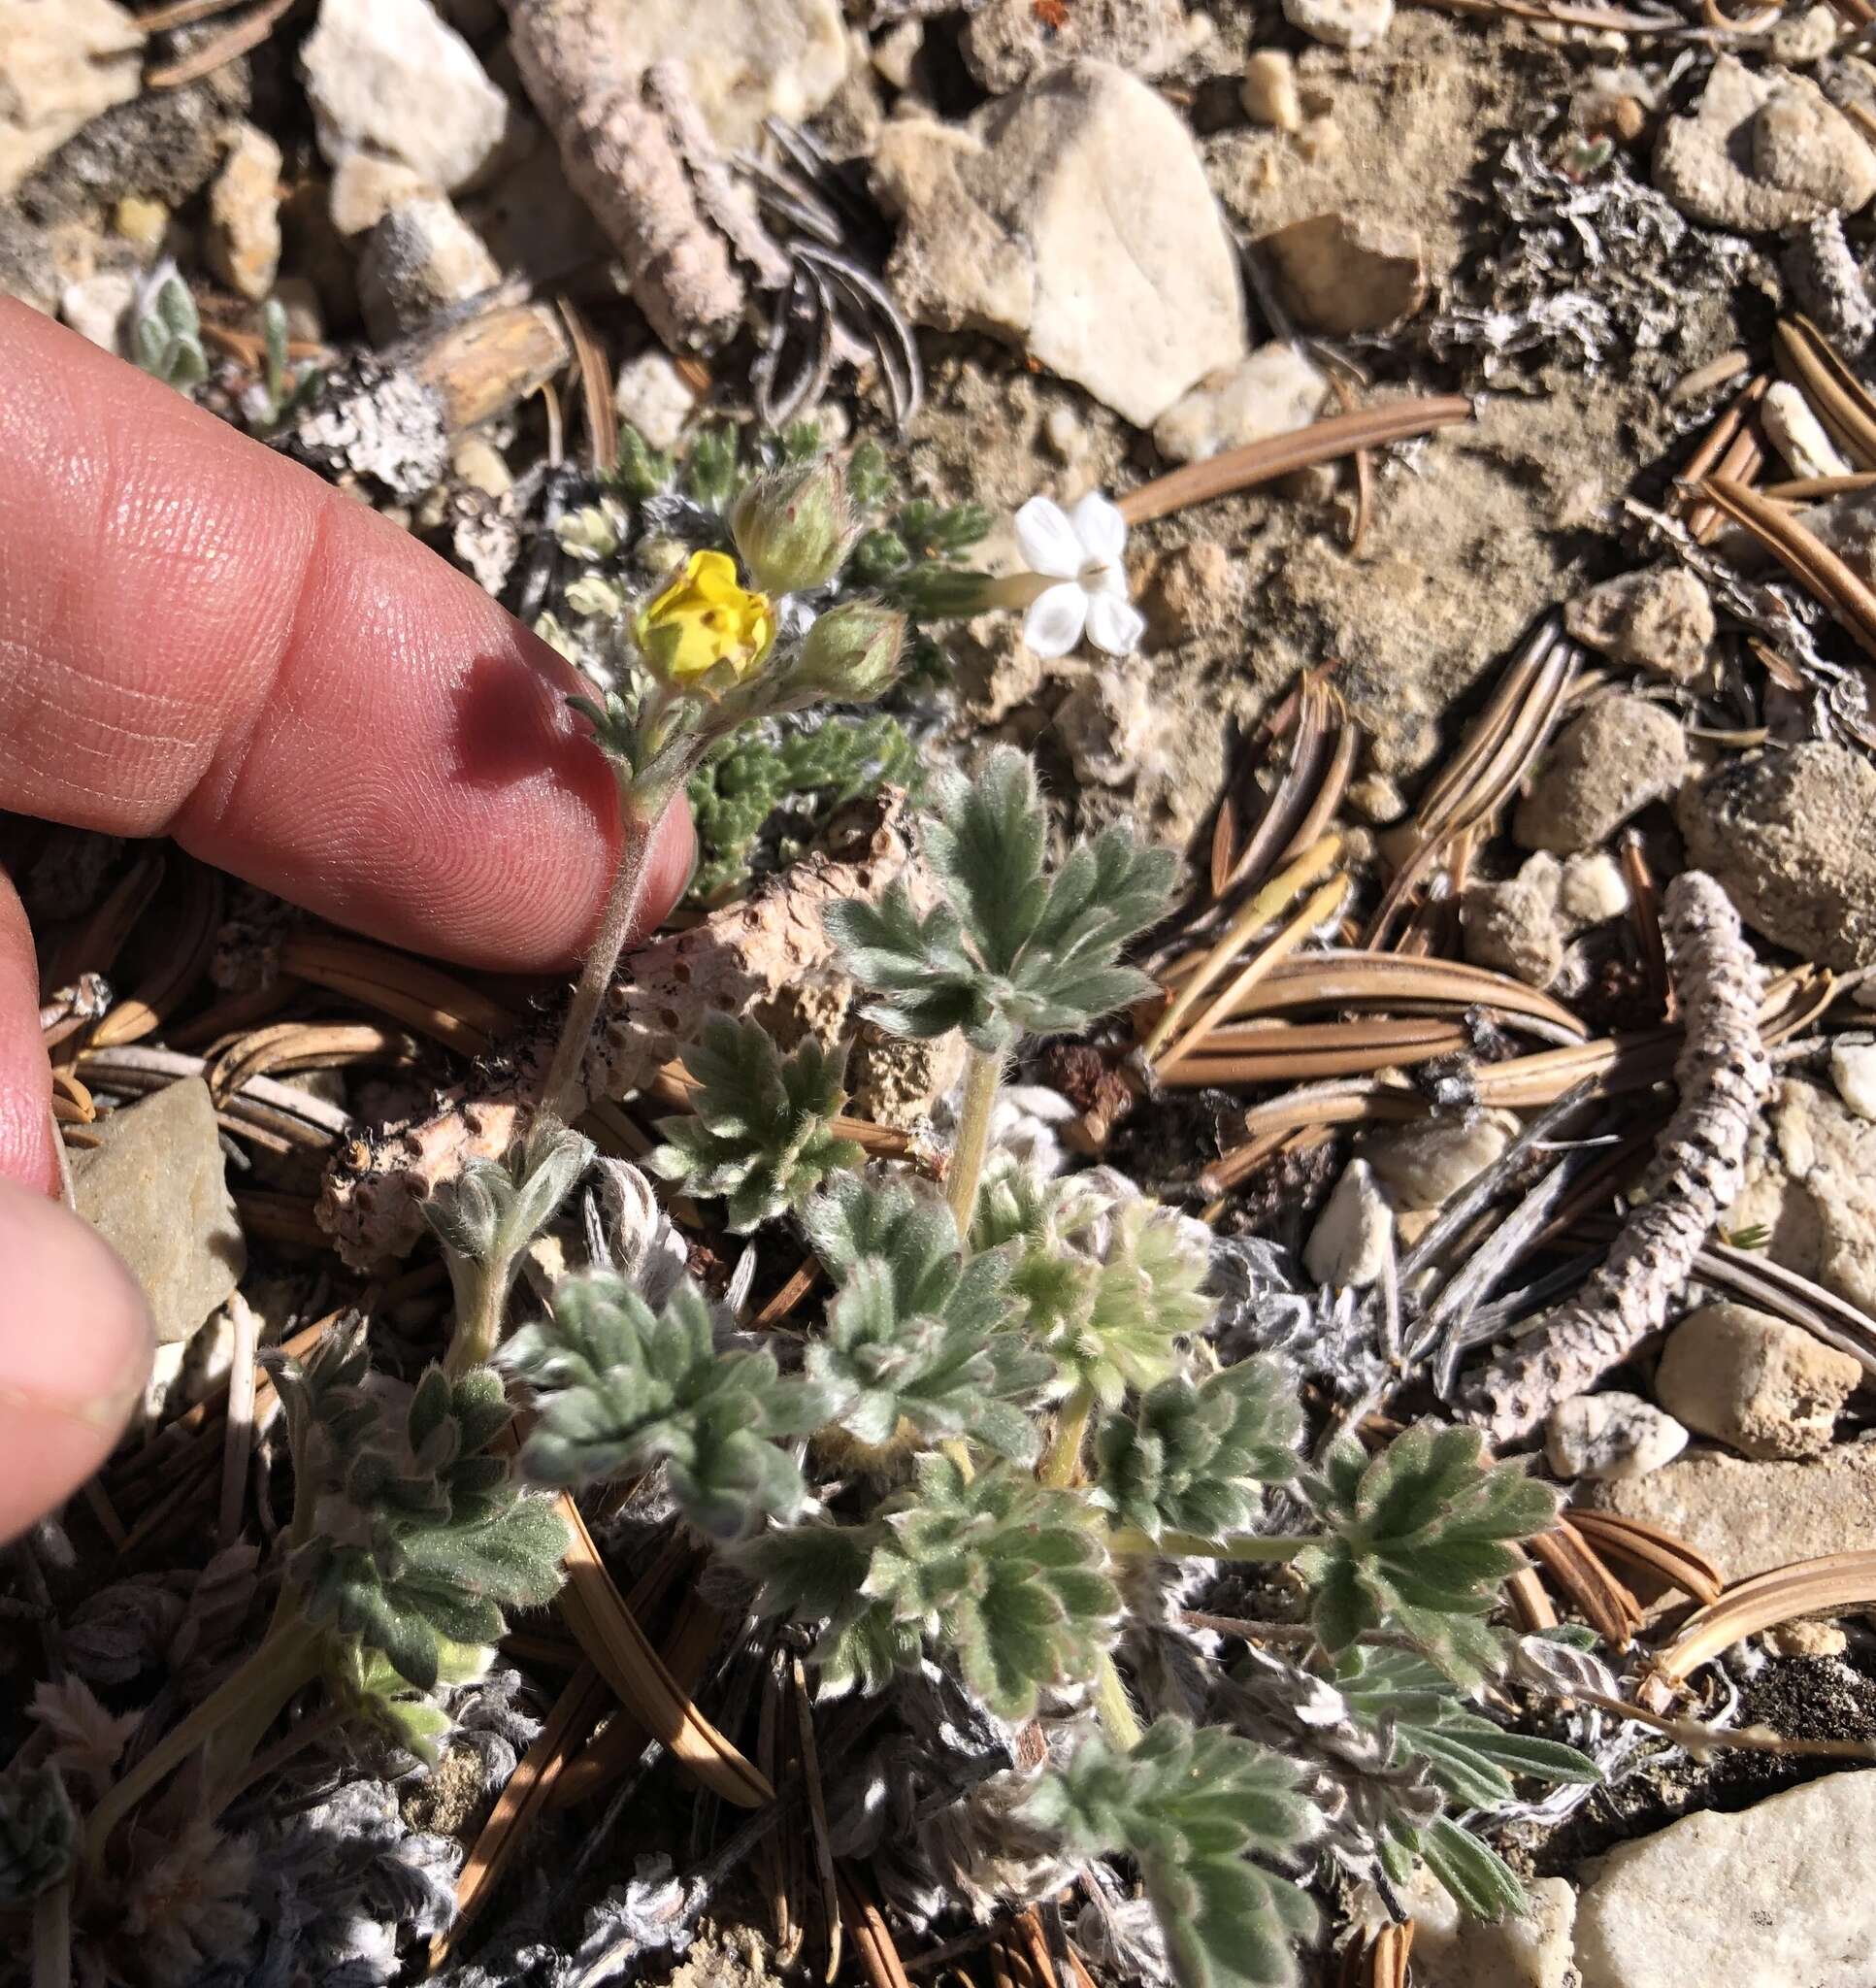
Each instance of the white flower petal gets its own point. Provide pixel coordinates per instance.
(1055, 621)
(1099, 527)
(1114, 624)
(1048, 540)
(1109, 578)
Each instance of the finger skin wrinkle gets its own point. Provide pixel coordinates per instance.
(200, 638)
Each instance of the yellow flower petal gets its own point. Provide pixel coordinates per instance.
(704, 620)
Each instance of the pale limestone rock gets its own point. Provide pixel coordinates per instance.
(1376, 798)
(1800, 39)
(653, 397)
(534, 222)
(896, 1079)
(1453, 1950)
(390, 78)
(1422, 1165)
(1798, 434)
(1342, 23)
(1071, 218)
(1513, 926)
(142, 222)
(1591, 891)
(895, 54)
(1811, 1184)
(1807, 1638)
(1605, 1437)
(481, 465)
(1605, 767)
(1106, 724)
(1853, 1070)
(1659, 618)
(1269, 91)
(421, 258)
(61, 63)
(1749, 1380)
(1195, 589)
(1349, 1243)
(97, 305)
(1345, 272)
(1274, 392)
(1748, 1517)
(1006, 43)
(1763, 150)
(156, 1191)
(1781, 1895)
(244, 238)
(1792, 834)
(364, 190)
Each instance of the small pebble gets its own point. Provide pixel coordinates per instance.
(1349, 1243)
(481, 465)
(141, 223)
(1853, 1070)
(1063, 432)
(1269, 91)
(1605, 1437)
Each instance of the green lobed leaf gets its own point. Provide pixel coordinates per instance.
(1015, 949)
(917, 1335)
(1472, 1759)
(1419, 1538)
(38, 1834)
(1196, 1459)
(622, 1388)
(1190, 1804)
(420, 1537)
(762, 1132)
(1006, 1576)
(1109, 1281)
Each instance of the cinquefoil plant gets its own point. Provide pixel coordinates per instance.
(979, 1474)
(1012, 1413)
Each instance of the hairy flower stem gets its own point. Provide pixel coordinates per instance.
(640, 808)
(481, 1298)
(983, 1073)
(53, 1936)
(640, 813)
(1118, 1719)
(1128, 1543)
(1065, 1450)
(289, 1659)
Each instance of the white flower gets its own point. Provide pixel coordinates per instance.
(1080, 550)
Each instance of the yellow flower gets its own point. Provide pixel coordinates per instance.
(704, 621)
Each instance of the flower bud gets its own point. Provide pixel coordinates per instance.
(592, 532)
(852, 653)
(794, 526)
(589, 594)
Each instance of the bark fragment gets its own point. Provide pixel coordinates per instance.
(1723, 1074)
(624, 158)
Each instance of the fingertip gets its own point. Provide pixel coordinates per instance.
(76, 1342)
(25, 1077)
(672, 861)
